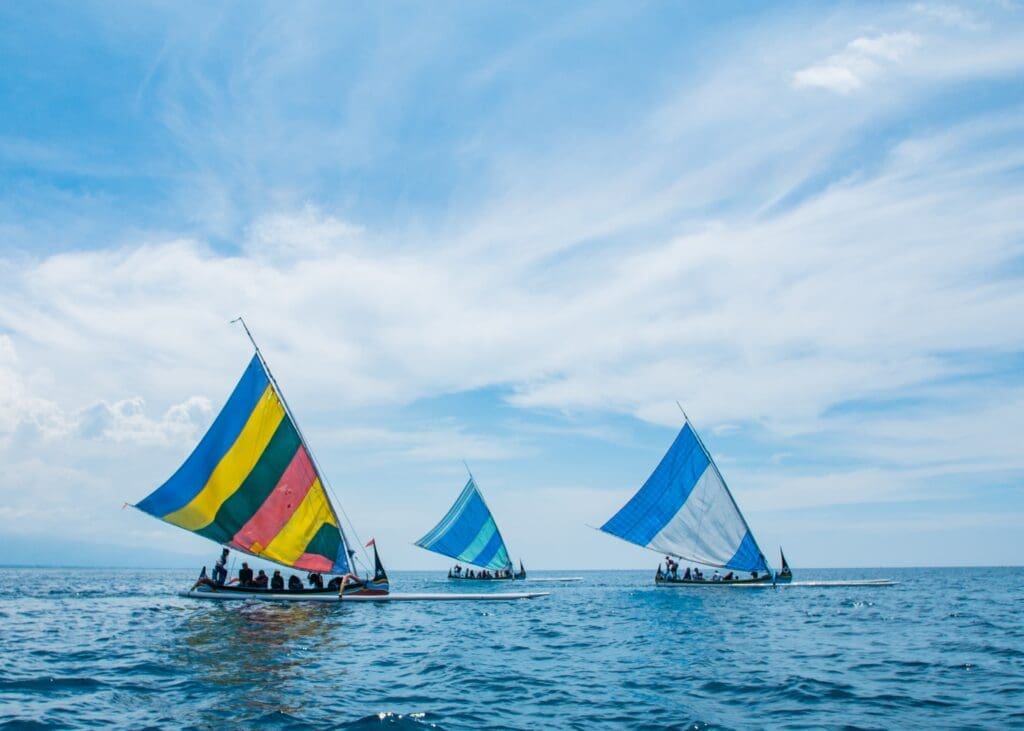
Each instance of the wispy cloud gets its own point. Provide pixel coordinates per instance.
(863, 60)
(594, 239)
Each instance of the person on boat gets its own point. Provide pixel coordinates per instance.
(294, 583)
(715, 576)
(334, 584)
(277, 581)
(260, 582)
(220, 570)
(687, 574)
(458, 569)
(315, 580)
(245, 575)
(728, 577)
(753, 574)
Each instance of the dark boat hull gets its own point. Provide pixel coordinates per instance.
(760, 580)
(208, 590)
(514, 577)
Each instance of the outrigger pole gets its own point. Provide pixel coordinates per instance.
(309, 449)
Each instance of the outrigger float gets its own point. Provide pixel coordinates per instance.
(469, 533)
(685, 510)
(253, 485)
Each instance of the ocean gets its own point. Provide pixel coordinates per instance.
(118, 648)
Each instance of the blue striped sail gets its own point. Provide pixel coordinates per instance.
(685, 509)
(468, 533)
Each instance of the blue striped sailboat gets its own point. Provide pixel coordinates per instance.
(469, 533)
(685, 510)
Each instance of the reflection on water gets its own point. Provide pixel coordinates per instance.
(260, 649)
(944, 648)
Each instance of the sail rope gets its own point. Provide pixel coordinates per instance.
(316, 463)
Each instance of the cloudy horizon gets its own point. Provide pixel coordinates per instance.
(517, 237)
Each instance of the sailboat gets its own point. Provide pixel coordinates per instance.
(253, 485)
(469, 533)
(685, 510)
(785, 573)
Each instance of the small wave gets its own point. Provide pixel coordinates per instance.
(51, 684)
(416, 721)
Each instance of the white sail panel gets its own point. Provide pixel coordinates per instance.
(685, 509)
(705, 529)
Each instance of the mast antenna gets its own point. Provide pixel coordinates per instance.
(726, 486)
(316, 463)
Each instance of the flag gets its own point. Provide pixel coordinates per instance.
(373, 542)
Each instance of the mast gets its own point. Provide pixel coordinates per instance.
(496, 528)
(725, 485)
(316, 464)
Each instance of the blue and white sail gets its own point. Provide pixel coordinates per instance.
(468, 533)
(686, 510)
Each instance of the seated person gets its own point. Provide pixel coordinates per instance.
(245, 575)
(687, 574)
(315, 580)
(277, 581)
(294, 583)
(728, 577)
(260, 582)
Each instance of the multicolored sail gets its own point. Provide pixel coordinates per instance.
(468, 533)
(250, 484)
(685, 509)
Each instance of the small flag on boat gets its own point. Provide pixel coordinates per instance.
(373, 542)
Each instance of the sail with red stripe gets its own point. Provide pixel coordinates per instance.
(252, 485)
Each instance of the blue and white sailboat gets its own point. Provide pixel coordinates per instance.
(469, 533)
(686, 510)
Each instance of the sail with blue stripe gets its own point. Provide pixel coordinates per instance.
(685, 509)
(468, 533)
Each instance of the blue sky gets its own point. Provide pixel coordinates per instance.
(516, 235)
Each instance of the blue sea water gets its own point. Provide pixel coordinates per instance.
(118, 648)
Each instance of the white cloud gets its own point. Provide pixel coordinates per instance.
(863, 60)
(719, 248)
(123, 421)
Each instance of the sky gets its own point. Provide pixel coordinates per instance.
(515, 235)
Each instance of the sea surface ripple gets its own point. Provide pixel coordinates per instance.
(118, 648)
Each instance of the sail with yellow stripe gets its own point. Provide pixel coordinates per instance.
(252, 485)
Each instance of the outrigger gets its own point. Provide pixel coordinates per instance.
(685, 510)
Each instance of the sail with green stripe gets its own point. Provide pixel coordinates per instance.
(252, 485)
(468, 533)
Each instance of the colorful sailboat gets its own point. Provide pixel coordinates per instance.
(685, 510)
(469, 533)
(252, 485)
